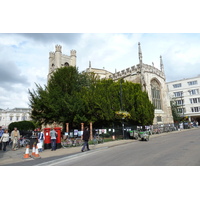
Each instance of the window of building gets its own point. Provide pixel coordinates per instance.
(159, 119)
(66, 64)
(195, 100)
(193, 92)
(23, 118)
(155, 92)
(181, 110)
(177, 85)
(11, 118)
(180, 102)
(17, 118)
(178, 94)
(195, 109)
(192, 83)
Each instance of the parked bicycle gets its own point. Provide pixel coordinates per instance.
(10, 144)
(23, 141)
(78, 142)
(66, 143)
(97, 140)
(156, 131)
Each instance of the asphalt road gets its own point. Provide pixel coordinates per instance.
(175, 149)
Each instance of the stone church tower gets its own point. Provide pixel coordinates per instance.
(57, 59)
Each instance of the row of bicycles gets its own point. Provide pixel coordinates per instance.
(74, 142)
(22, 142)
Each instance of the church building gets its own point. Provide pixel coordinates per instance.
(152, 79)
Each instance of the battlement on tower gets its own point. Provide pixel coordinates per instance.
(58, 48)
(153, 70)
(51, 54)
(124, 72)
(73, 52)
(136, 69)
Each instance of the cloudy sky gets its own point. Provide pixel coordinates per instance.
(24, 57)
(104, 33)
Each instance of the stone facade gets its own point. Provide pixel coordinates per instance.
(153, 82)
(100, 73)
(151, 78)
(186, 94)
(8, 116)
(57, 59)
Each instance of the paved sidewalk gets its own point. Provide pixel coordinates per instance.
(10, 156)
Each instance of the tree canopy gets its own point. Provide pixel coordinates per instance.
(75, 97)
(22, 126)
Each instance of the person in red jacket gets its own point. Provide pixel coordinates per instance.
(86, 136)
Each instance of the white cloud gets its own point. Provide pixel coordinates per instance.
(27, 57)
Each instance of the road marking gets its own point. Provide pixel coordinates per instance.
(69, 158)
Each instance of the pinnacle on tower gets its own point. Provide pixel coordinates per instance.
(89, 64)
(161, 64)
(51, 54)
(139, 52)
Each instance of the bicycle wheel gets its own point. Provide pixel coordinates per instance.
(77, 142)
(100, 140)
(80, 142)
(95, 141)
(63, 144)
(10, 144)
(69, 143)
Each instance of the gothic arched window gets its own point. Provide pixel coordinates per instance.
(66, 64)
(155, 92)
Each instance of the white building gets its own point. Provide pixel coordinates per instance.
(8, 116)
(186, 94)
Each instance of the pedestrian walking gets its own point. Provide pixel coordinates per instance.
(86, 136)
(53, 135)
(4, 139)
(41, 140)
(1, 133)
(15, 136)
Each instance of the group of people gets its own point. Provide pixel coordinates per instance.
(5, 137)
(15, 136)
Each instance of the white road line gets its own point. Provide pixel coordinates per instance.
(69, 158)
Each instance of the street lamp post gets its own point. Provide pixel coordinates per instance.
(121, 106)
(182, 104)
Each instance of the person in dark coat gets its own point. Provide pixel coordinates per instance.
(86, 137)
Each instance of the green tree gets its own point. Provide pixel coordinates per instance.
(75, 97)
(103, 99)
(22, 126)
(60, 101)
(175, 114)
(99, 100)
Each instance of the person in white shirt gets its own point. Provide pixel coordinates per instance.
(15, 136)
(41, 140)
